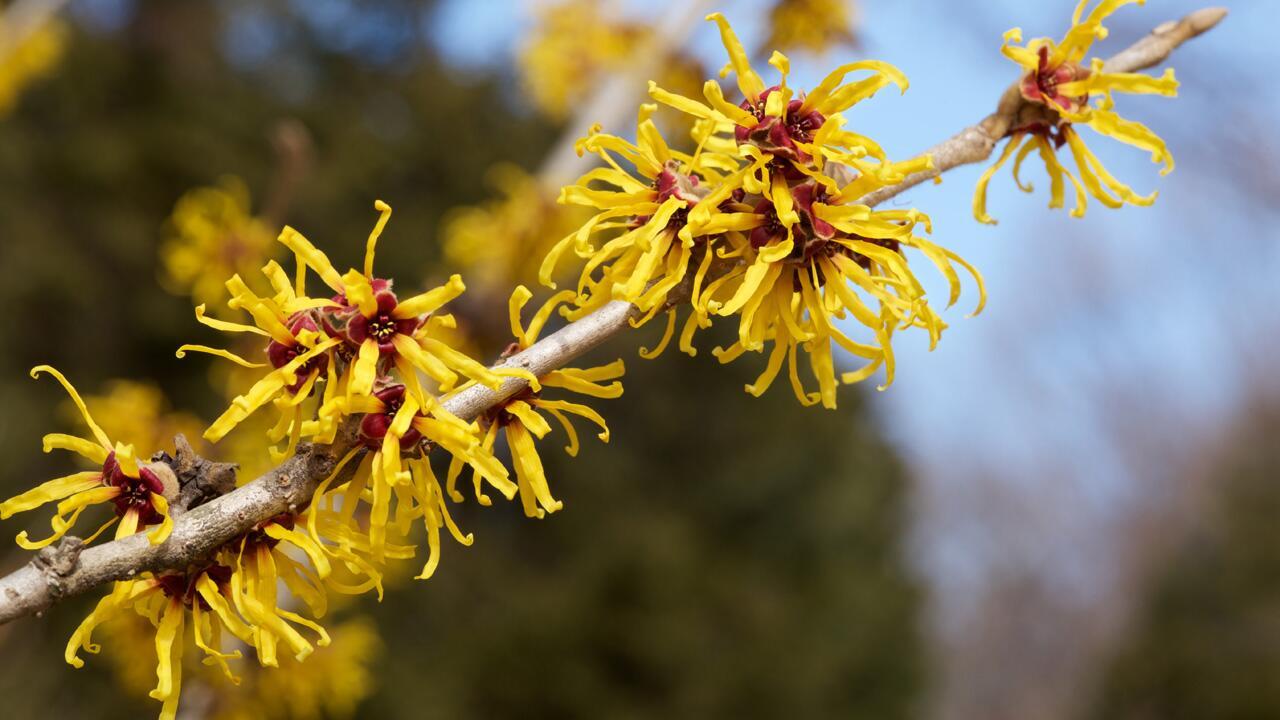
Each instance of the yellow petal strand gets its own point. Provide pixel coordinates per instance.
(84, 448)
(365, 369)
(579, 410)
(312, 257)
(50, 491)
(980, 192)
(1133, 133)
(75, 397)
(384, 211)
(168, 634)
(667, 333)
(572, 448)
(223, 325)
(431, 300)
(219, 352)
(360, 292)
(524, 454)
(161, 532)
(748, 81)
(519, 297)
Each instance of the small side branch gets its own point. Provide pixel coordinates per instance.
(975, 144)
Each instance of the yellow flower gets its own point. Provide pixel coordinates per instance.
(784, 136)
(211, 236)
(1060, 88)
(259, 567)
(813, 25)
(140, 494)
(395, 427)
(848, 262)
(668, 221)
(521, 419)
(344, 343)
(33, 58)
(166, 600)
(573, 45)
(502, 242)
(383, 331)
(298, 349)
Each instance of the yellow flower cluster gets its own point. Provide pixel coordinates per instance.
(31, 59)
(1061, 87)
(762, 222)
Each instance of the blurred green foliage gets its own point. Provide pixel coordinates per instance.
(723, 556)
(1207, 638)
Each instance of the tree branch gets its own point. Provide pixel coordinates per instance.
(974, 144)
(68, 569)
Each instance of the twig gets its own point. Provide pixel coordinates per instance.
(68, 570)
(974, 144)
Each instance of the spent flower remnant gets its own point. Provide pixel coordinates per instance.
(771, 191)
(140, 494)
(1059, 87)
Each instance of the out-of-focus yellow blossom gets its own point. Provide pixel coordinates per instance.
(1061, 87)
(140, 494)
(812, 25)
(502, 242)
(140, 411)
(166, 600)
(521, 417)
(572, 46)
(212, 235)
(31, 59)
(330, 684)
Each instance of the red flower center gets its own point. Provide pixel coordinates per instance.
(135, 493)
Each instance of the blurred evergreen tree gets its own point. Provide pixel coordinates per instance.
(1206, 643)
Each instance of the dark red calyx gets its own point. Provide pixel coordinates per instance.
(1041, 85)
(779, 135)
(183, 585)
(811, 230)
(501, 415)
(258, 536)
(374, 426)
(381, 325)
(135, 493)
(280, 354)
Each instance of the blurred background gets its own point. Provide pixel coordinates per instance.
(1067, 510)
